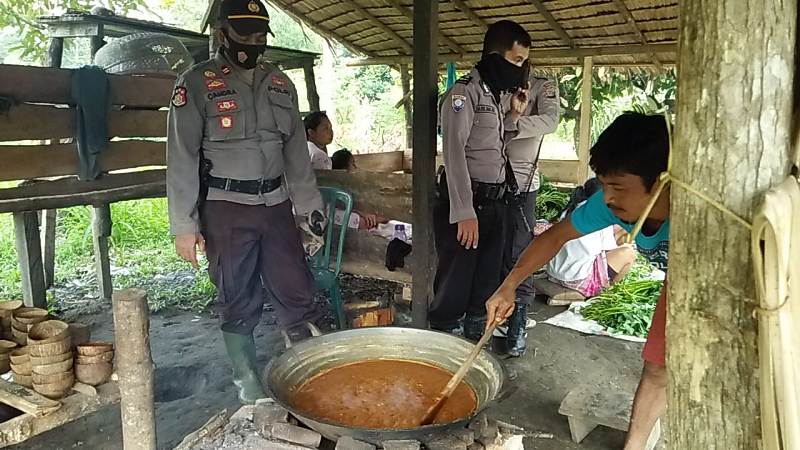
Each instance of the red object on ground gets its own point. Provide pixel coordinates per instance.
(655, 349)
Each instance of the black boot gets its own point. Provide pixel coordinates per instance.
(242, 353)
(474, 327)
(517, 336)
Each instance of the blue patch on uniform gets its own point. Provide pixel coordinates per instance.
(458, 102)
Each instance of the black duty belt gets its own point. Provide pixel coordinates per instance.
(488, 191)
(253, 187)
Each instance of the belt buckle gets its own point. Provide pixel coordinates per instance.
(261, 187)
(227, 184)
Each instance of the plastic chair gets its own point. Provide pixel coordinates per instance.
(325, 265)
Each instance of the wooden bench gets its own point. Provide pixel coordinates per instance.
(557, 294)
(591, 405)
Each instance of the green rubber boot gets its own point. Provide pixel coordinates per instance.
(242, 353)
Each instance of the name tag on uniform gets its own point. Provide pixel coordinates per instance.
(485, 109)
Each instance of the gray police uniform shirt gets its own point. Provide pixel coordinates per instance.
(540, 118)
(472, 141)
(248, 125)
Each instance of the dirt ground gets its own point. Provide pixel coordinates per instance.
(193, 379)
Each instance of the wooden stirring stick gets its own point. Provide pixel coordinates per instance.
(456, 380)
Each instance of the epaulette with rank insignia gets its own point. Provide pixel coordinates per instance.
(464, 80)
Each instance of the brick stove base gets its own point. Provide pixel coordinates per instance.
(268, 426)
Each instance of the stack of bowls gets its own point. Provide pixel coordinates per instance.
(5, 355)
(50, 348)
(95, 362)
(6, 309)
(21, 367)
(22, 319)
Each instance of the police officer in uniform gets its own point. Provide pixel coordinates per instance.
(236, 153)
(469, 214)
(539, 118)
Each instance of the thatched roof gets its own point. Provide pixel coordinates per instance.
(617, 32)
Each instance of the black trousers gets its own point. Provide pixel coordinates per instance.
(248, 247)
(466, 278)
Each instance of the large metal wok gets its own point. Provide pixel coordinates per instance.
(308, 358)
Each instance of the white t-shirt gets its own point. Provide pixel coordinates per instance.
(575, 259)
(319, 159)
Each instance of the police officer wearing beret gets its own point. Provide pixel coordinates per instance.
(236, 153)
(469, 214)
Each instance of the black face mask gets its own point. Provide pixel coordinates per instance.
(243, 55)
(500, 75)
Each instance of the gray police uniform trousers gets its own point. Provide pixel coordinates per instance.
(246, 244)
(519, 237)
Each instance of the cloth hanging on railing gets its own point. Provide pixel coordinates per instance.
(92, 98)
(451, 75)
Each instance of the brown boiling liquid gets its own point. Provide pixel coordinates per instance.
(388, 394)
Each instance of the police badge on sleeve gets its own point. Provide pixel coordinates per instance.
(458, 102)
(179, 97)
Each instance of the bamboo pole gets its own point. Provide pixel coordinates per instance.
(135, 369)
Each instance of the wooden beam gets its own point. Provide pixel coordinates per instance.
(29, 257)
(474, 18)
(554, 25)
(385, 194)
(375, 21)
(614, 50)
(380, 162)
(56, 52)
(52, 85)
(311, 86)
(626, 14)
(68, 192)
(41, 161)
(323, 31)
(405, 82)
(33, 122)
(101, 232)
(73, 29)
(426, 72)
(48, 239)
(560, 171)
(585, 127)
(410, 14)
(73, 407)
(26, 400)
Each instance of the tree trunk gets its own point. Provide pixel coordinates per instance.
(732, 143)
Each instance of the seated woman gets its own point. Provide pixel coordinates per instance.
(319, 132)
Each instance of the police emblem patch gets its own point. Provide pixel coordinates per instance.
(458, 102)
(210, 74)
(179, 97)
(226, 70)
(253, 7)
(549, 89)
(227, 105)
(226, 122)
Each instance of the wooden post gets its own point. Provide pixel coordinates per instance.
(97, 40)
(48, 217)
(135, 369)
(101, 231)
(311, 85)
(585, 130)
(426, 50)
(405, 80)
(56, 52)
(29, 256)
(732, 142)
(48, 238)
